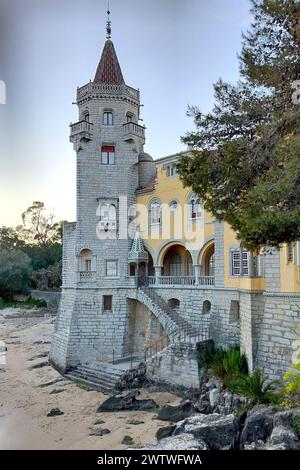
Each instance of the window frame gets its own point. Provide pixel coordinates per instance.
(108, 118)
(107, 300)
(108, 157)
(158, 220)
(115, 274)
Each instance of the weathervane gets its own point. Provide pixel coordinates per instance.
(108, 23)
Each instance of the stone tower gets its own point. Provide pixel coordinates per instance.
(92, 321)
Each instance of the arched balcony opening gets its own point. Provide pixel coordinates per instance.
(177, 266)
(86, 265)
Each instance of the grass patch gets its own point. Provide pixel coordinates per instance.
(29, 303)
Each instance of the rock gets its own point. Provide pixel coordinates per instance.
(176, 413)
(258, 425)
(274, 447)
(203, 404)
(39, 356)
(39, 365)
(55, 412)
(166, 431)
(135, 422)
(100, 432)
(214, 397)
(214, 382)
(127, 440)
(127, 402)
(286, 418)
(217, 431)
(99, 421)
(228, 398)
(181, 442)
(285, 436)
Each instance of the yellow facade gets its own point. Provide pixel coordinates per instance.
(177, 231)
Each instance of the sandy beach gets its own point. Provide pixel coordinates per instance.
(26, 397)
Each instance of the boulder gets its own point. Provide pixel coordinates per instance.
(214, 382)
(259, 425)
(166, 431)
(286, 418)
(127, 402)
(181, 442)
(55, 412)
(284, 436)
(127, 440)
(217, 431)
(214, 397)
(176, 413)
(100, 432)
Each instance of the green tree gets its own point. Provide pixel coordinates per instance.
(10, 239)
(39, 227)
(15, 271)
(245, 165)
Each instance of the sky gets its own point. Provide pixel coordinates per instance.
(172, 50)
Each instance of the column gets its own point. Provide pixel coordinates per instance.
(197, 272)
(158, 270)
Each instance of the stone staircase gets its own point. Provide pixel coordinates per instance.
(179, 326)
(100, 376)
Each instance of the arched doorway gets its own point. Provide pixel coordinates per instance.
(207, 260)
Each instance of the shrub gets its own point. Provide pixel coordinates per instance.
(15, 271)
(296, 425)
(224, 363)
(255, 387)
(291, 389)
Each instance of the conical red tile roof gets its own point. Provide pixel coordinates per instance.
(109, 70)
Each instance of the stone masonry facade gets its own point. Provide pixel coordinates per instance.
(104, 315)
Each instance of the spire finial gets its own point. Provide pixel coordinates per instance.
(108, 23)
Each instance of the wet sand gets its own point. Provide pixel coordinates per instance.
(25, 402)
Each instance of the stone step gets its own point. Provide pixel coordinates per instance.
(102, 377)
(91, 384)
(101, 373)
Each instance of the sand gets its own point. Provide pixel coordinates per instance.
(24, 402)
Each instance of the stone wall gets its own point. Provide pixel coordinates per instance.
(175, 365)
(278, 334)
(52, 298)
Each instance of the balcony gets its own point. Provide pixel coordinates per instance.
(132, 130)
(87, 276)
(81, 130)
(181, 281)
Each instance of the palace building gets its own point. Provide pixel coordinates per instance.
(157, 292)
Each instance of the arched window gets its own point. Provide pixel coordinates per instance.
(175, 264)
(211, 265)
(108, 217)
(195, 208)
(85, 116)
(174, 303)
(155, 212)
(86, 260)
(108, 155)
(130, 117)
(107, 118)
(206, 308)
